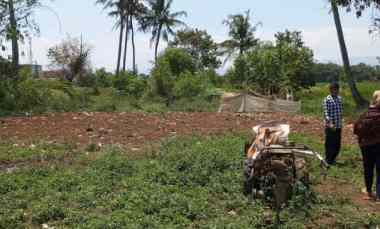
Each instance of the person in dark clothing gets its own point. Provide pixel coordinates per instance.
(367, 128)
(332, 110)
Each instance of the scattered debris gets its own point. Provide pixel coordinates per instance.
(232, 212)
(11, 169)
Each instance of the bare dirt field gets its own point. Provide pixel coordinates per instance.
(135, 129)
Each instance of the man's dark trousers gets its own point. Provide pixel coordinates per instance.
(332, 144)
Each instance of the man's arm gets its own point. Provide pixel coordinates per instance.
(326, 110)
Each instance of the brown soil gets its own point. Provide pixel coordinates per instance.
(353, 193)
(136, 129)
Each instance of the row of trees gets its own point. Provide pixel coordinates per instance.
(327, 72)
(153, 16)
(156, 17)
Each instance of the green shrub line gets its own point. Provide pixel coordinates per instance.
(191, 94)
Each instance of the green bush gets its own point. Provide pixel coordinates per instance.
(86, 80)
(162, 82)
(135, 86)
(179, 61)
(168, 69)
(103, 78)
(212, 77)
(5, 68)
(188, 86)
(36, 96)
(7, 97)
(130, 84)
(32, 96)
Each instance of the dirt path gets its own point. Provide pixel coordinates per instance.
(353, 193)
(134, 129)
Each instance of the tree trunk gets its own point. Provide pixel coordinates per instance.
(157, 42)
(126, 43)
(14, 37)
(120, 44)
(359, 100)
(133, 44)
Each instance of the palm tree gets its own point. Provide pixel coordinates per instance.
(161, 21)
(126, 42)
(14, 36)
(133, 44)
(359, 100)
(133, 9)
(241, 32)
(117, 11)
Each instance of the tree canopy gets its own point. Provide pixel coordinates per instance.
(241, 33)
(275, 68)
(200, 45)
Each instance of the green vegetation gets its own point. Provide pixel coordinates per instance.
(187, 183)
(190, 92)
(275, 69)
(312, 98)
(194, 182)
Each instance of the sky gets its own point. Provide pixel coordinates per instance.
(84, 18)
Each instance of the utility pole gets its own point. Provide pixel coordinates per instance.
(30, 51)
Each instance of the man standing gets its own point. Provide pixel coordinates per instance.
(333, 109)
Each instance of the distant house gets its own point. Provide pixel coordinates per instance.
(53, 74)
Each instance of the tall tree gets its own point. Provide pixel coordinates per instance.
(117, 10)
(359, 100)
(241, 32)
(13, 35)
(126, 43)
(16, 23)
(161, 21)
(133, 12)
(133, 44)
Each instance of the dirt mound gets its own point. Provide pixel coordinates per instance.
(134, 129)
